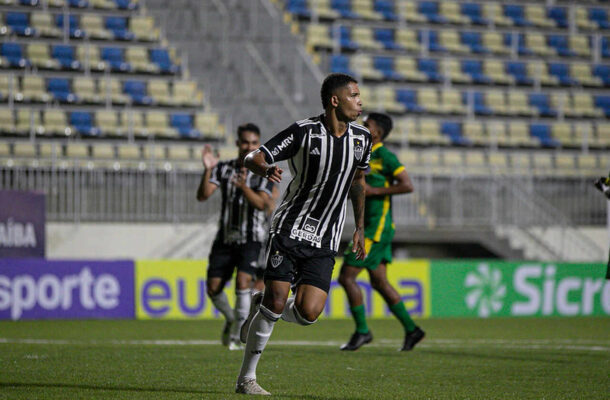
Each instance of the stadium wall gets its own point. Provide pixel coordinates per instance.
(175, 289)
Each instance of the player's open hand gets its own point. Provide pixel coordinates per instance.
(239, 178)
(208, 158)
(274, 174)
(358, 246)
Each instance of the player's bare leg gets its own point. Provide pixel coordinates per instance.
(215, 286)
(362, 335)
(379, 281)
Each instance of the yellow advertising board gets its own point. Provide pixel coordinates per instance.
(175, 289)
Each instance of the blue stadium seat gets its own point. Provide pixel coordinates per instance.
(78, 3)
(562, 72)
(433, 43)
(603, 102)
(114, 57)
(409, 99)
(65, 56)
(83, 123)
(298, 8)
(559, 15)
(137, 91)
(561, 45)
(605, 47)
(430, 68)
(386, 36)
(474, 12)
(30, 3)
(386, 66)
(516, 13)
(542, 103)
(430, 10)
(478, 103)
(19, 23)
(454, 131)
(344, 7)
(519, 71)
(161, 58)
(473, 40)
(386, 8)
(118, 26)
(340, 64)
(600, 17)
(73, 25)
(60, 89)
(183, 123)
(345, 39)
(543, 133)
(126, 4)
(603, 72)
(14, 55)
(475, 69)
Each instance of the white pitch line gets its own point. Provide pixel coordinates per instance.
(523, 344)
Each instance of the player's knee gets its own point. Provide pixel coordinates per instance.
(379, 284)
(307, 315)
(213, 290)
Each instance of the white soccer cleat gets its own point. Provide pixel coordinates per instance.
(235, 345)
(257, 299)
(251, 387)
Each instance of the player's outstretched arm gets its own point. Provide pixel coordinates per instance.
(402, 184)
(357, 194)
(256, 163)
(209, 161)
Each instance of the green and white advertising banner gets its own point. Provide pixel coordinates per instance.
(485, 288)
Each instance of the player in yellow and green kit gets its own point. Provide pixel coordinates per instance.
(386, 177)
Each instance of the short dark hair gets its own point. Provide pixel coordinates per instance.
(331, 83)
(249, 127)
(383, 121)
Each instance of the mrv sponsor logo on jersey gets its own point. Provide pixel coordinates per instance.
(284, 144)
(56, 289)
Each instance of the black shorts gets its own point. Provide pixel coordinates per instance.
(297, 262)
(225, 257)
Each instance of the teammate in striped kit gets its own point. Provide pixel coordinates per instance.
(241, 231)
(327, 156)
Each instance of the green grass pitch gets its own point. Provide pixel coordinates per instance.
(555, 358)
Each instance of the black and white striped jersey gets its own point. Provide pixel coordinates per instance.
(240, 222)
(322, 166)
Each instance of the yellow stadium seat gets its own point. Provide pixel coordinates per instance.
(519, 135)
(369, 99)
(450, 39)
(451, 102)
(108, 122)
(5, 150)
(409, 158)
(322, 9)
(28, 122)
(495, 43)
(85, 88)
(584, 134)
(406, 67)
(363, 65)
(494, 99)
(132, 122)
(497, 134)
(208, 124)
(587, 165)
(38, 54)
(493, 12)
(495, 70)
(110, 89)
(33, 90)
(386, 96)
(407, 38)
(451, 11)
(536, 14)
(562, 132)
(603, 134)
(582, 19)
(129, 152)
(453, 159)
(582, 72)
(363, 35)
(365, 8)
(404, 130)
(562, 102)
(55, 122)
(475, 159)
(317, 36)
(143, 28)
(520, 162)
(50, 150)
(44, 24)
(537, 43)
(137, 56)
(157, 124)
(77, 150)
(154, 152)
(474, 131)
(498, 162)
(579, 44)
(543, 164)
(7, 121)
(538, 71)
(407, 10)
(518, 104)
(104, 151)
(25, 149)
(430, 132)
(103, 4)
(94, 26)
(583, 105)
(428, 98)
(451, 68)
(186, 93)
(159, 90)
(565, 165)
(89, 57)
(179, 153)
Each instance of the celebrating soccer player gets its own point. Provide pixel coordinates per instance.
(385, 178)
(241, 229)
(327, 155)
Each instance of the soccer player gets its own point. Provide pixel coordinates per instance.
(327, 156)
(603, 185)
(385, 178)
(241, 229)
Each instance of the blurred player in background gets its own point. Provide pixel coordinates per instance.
(259, 283)
(386, 177)
(603, 185)
(242, 228)
(327, 155)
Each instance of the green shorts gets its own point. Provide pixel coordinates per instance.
(376, 253)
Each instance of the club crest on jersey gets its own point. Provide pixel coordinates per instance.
(276, 260)
(358, 149)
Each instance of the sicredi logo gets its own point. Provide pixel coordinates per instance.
(546, 294)
(486, 290)
(50, 292)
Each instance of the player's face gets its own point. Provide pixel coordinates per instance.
(247, 143)
(374, 129)
(349, 105)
